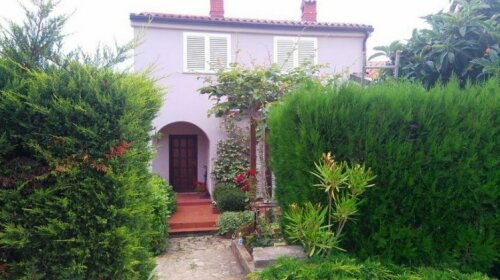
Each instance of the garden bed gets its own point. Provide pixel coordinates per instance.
(261, 244)
(263, 256)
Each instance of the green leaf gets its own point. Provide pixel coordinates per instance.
(462, 30)
(451, 58)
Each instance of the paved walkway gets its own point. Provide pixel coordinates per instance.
(202, 257)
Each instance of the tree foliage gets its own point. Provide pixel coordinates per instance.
(251, 90)
(387, 51)
(462, 42)
(36, 43)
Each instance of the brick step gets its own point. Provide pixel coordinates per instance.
(194, 224)
(194, 202)
(194, 214)
(192, 230)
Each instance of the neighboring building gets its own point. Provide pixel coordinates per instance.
(371, 74)
(182, 48)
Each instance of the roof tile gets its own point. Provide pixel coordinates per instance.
(250, 22)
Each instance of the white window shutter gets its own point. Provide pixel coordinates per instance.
(195, 53)
(219, 49)
(306, 51)
(285, 53)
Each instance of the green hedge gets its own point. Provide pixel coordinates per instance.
(77, 201)
(169, 196)
(343, 267)
(163, 204)
(435, 154)
(230, 199)
(230, 222)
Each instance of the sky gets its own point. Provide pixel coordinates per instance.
(107, 21)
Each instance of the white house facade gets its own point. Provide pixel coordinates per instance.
(182, 48)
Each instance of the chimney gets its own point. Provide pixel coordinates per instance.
(308, 10)
(217, 8)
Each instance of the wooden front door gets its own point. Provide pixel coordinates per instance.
(183, 162)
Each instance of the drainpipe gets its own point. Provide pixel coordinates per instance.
(363, 69)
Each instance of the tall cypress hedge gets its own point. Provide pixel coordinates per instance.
(76, 196)
(436, 156)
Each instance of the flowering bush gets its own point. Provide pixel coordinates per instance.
(232, 153)
(247, 182)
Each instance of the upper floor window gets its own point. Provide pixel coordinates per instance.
(290, 52)
(206, 52)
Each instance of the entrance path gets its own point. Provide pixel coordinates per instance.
(201, 257)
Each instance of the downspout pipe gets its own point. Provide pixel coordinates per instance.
(363, 69)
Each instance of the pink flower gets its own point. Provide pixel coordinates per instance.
(244, 188)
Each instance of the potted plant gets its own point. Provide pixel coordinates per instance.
(201, 188)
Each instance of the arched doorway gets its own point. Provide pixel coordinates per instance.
(182, 156)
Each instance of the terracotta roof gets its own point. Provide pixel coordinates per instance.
(287, 24)
(375, 73)
(372, 74)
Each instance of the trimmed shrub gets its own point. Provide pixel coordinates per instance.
(343, 267)
(162, 202)
(231, 222)
(222, 189)
(170, 196)
(172, 199)
(231, 199)
(435, 154)
(76, 196)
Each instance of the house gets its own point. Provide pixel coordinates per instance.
(183, 47)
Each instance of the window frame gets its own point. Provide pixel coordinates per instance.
(207, 37)
(295, 53)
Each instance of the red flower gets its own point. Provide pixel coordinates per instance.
(251, 173)
(244, 188)
(239, 178)
(246, 182)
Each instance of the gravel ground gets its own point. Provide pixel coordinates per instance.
(203, 257)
